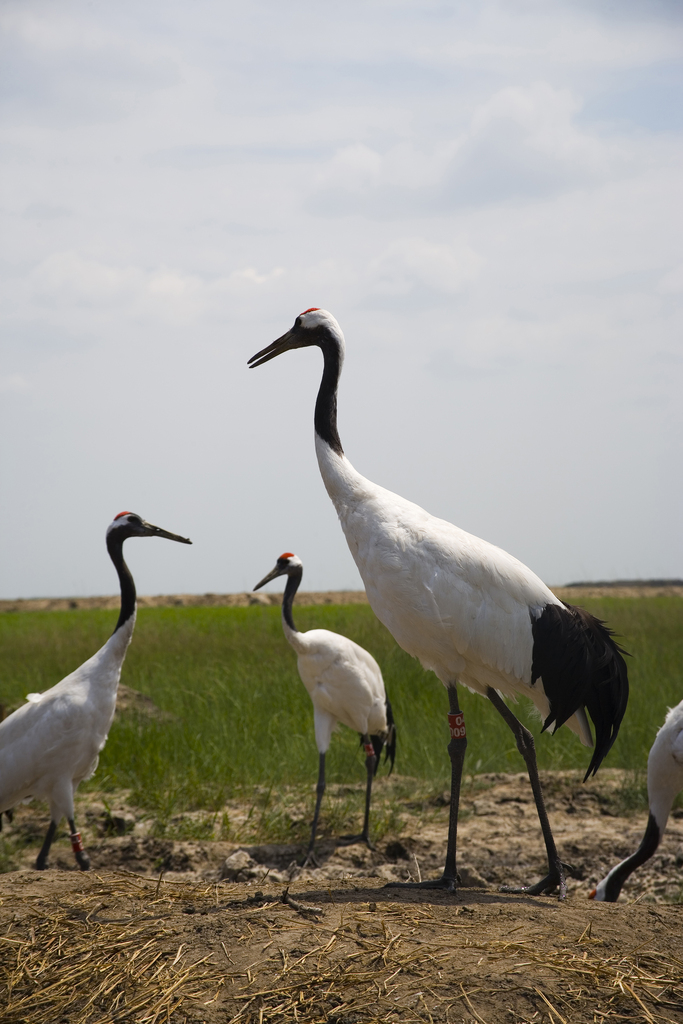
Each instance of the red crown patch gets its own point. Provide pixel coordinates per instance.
(287, 554)
(313, 309)
(122, 514)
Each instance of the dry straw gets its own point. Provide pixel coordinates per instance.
(394, 978)
(78, 965)
(355, 964)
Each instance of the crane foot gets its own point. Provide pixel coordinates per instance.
(83, 861)
(352, 840)
(555, 879)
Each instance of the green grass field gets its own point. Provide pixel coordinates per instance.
(241, 717)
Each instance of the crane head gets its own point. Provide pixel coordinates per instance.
(129, 524)
(600, 893)
(287, 564)
(312, 327)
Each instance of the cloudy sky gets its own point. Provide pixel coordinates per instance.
(487, 195)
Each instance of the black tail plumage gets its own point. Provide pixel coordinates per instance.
(388, 741)
(581, 665)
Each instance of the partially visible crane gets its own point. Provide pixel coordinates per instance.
(468, 610)
(664, 782)
(52, 743)
(345, 684)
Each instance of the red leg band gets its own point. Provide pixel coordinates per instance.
(76, 844)
(457, 726)
(369, 750)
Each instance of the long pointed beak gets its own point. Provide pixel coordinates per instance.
(156, 531)
(289, 340)
(271, 576)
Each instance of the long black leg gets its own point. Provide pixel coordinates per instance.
(319, 790)
(370, 762)
(456, 750)
(41, 859)
(82, 858)
(525, 744)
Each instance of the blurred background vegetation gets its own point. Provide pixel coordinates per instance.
(237, 715)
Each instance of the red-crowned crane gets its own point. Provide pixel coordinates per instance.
(664, 782)
(345, 684)
(469, 611)
(52, 743)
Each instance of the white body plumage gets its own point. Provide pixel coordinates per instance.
(52, 743)
(459, 604)
(343, 681)
(665, 766)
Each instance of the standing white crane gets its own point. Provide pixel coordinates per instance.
(469, 611)
(51, 744)
(345, 684)
(664, 782)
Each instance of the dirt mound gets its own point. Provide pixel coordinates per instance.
(194, 930)
(104, 947)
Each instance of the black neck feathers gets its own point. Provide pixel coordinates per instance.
(115, 549)
(620, 873)
(293, 581)
(326, 403)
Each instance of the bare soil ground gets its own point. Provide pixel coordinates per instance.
(164, 930)
(499, 837)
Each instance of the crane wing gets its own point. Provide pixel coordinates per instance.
(451, 599)
(343, 679)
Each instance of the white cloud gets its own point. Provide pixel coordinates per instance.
(45, 211)
(672, 283)
(249, 278)
(409, 263)
(520, 142)
(560, 35)
(184, 179)
(353, 168)
(523, 142)
(544, 117)
(60, 68)
(67, 279)
(14, 382)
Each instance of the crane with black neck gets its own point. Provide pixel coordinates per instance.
(49, 745)
(469, 611)
(345, 685)
(664, 783)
